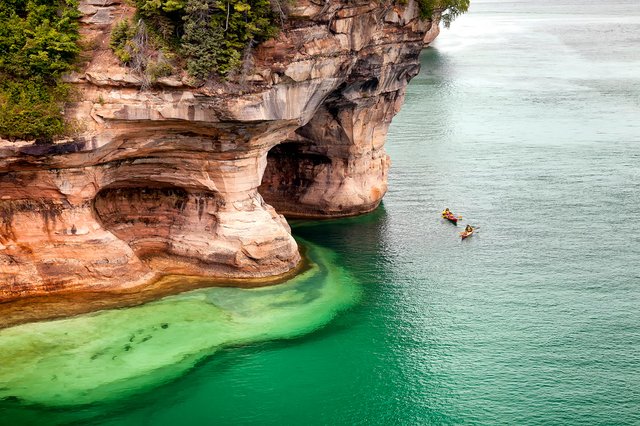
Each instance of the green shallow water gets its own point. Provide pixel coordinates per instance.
(525, 120)
(112, 354)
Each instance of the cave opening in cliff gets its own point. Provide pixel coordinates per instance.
(291, 171)
(142, 216)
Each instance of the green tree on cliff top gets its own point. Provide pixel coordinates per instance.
(449, 9)
(38, 42)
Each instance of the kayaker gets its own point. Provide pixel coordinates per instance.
(469, 228)
(446, 212)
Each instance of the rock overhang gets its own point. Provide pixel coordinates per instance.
(182, 179)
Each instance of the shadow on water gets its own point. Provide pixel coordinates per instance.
(434, 66)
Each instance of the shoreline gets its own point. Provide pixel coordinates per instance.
(69, 303)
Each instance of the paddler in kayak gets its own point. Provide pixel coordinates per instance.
(446, 214)
(468, 231)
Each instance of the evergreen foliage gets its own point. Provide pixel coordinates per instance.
(201, 43)
(135, 47)
(122, 40)
(38, 42)
(31, 109)
(211, 35)
(450, 9)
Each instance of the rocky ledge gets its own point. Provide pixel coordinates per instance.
(175, 179)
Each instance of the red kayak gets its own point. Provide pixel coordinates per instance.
(451, 218)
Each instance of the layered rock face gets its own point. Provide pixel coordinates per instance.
(179, 179)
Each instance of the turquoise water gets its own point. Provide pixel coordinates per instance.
(525, 119)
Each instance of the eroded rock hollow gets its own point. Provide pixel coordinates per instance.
(196, 180)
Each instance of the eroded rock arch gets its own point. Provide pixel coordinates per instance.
(307, 125)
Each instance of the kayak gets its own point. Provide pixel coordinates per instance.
(466, 234)
(451, 218)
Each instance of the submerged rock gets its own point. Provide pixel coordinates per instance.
(111, 354)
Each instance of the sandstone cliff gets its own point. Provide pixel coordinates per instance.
(186, 180)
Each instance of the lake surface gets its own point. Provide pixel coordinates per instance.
(525, 119)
